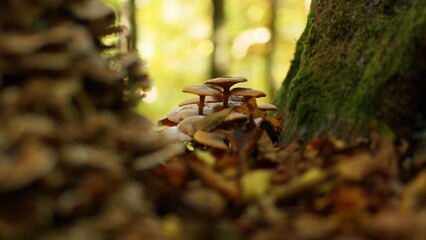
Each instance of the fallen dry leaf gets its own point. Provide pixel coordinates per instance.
(215, 180)
(212, 121)
(255, 184)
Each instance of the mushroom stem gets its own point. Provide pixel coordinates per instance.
(201, 105)
(225, 97)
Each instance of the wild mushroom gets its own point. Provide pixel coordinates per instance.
(195, 100)
(173, 134)
(211, 139)
(236, 120)
(219, 105)
(247, 93)
(236, 116)
(186, 125)
(165, 121)
(201, 91)
(226, 83)
(174, 115)
(267, 107)
(188, 112)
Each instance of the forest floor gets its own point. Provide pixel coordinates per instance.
(231, 181)
(324, 189)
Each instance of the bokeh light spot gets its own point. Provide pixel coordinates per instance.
(205, 47)
(151, 95)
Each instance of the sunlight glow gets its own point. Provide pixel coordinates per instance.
(255, 13)
(140, 3)
(238, 51)
(307, 4)
(171, 11)
(260, 35)
(151, 95)
(248, 38)
(199, 30)
(205, 47)
(146, 49)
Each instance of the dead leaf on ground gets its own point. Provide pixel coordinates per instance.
(215, 180)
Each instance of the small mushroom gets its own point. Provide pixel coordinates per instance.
(202, 91)
(195, 100)
(235, 120)
(174, 115)
(173, 134)
(247, 93)
(267, 107)
(211, 139)
(236, 98)
(186, 126)
(219, 105)
(188, 112)
(236, 116)
(226, 83)
(165, 121)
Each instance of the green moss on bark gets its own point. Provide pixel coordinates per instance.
(390, 74)
(355, 68)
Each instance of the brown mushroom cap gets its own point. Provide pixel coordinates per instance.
(186, 126)
(211, 139)
(247, 92)
(173, 134)
(174, 114)
(219, 105)
(236, 98)
(267, 107)
(236, 116)
(201, 90)
(226, 82)
(195, 100)
(165, 121)
(188, 112)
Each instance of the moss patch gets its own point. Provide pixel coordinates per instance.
(350, 62)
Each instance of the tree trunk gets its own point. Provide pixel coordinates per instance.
(270, 84)
(217, 21)
(133, 36)
(360, 66)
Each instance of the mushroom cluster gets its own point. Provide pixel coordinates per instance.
(218, 108)
(231, 143)
(70, 144)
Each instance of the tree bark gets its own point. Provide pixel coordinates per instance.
(217, 22)
(133, 36)
(270, 84)
(359, 66)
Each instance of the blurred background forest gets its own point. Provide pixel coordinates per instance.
(186, 42)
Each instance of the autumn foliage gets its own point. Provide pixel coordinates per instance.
(323, 189)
